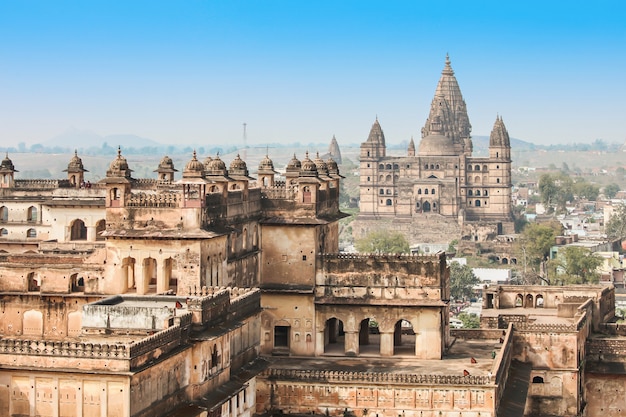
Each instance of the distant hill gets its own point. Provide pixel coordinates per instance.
(76, 138)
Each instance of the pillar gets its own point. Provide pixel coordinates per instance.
(351, 343)
(386, 343)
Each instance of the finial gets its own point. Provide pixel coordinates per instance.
(306, 155)
(119, 151)
(194, 154)
(267, 151)
(75, 152)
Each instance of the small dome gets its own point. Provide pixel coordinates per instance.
(119, 166)
(309, 169)
(321, 166)
(294, 164)
(166, 165)
(216, 167)
(194, 168)
(238, 164)
(266, 164)
(207, 162)
(436, 145)
(333, 168)
(76, 164)
(7, 164)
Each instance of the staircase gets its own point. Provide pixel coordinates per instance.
(514, 397)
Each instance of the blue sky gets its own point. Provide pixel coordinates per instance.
(194, 71)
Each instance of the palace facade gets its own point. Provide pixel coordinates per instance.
(440, 181)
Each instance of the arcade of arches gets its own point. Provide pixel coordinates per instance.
(388, 332)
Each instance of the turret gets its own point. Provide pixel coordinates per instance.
(166, 169)
(411, 148)
(499, 142)
(118, 181)
(7, 171)
(76, 171)
(266, 172)
(374, 147)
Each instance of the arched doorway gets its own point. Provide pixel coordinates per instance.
(529, 301)
(403, 338)
(150, 274)
(369, 337)
(334, 337)
(128, 273)
(426, 207)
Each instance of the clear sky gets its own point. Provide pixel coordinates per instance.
(194, 71)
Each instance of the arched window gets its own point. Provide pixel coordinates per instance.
(381, 166)
(31, 233)
(498, 180)
(388, 202)
(388, 166)
(537, 380)
(478, 192)
(382, 192)
(395, 166)
(469, 167)
(32, 214)
(470, 193)
(477, 203)
(101, 226)
(426, 166)
(78, 231)
(426, 191)
(434, 206)
(4, 232)
(437, 166)
(388, 191)
(485, 193)
(4, 214)
(432, 191)
(432, 166)
(485, 168)
(306, 194)
(419, 191)
(477, 168)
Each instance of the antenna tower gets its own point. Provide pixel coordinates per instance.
(244, 152)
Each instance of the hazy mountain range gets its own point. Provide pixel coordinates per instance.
(77, 138)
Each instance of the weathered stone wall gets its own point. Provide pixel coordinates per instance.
(368, 394)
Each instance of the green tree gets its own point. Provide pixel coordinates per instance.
(383, 241)
(462, 281)
(578, 265)
(611, 190)
(584, 189)
(470, 321)
(615, 228)
(555, 190)
(532, 249)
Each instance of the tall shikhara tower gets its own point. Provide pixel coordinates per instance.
(442, 178)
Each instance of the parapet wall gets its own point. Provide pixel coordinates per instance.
(374, 378)
(381, 270)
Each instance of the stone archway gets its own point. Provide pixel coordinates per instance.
(403, 338)
(334, 337)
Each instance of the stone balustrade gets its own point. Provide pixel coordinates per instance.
(65, 348)
(41, 183)
(352, 377)
(155, 341)
(154, 200)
